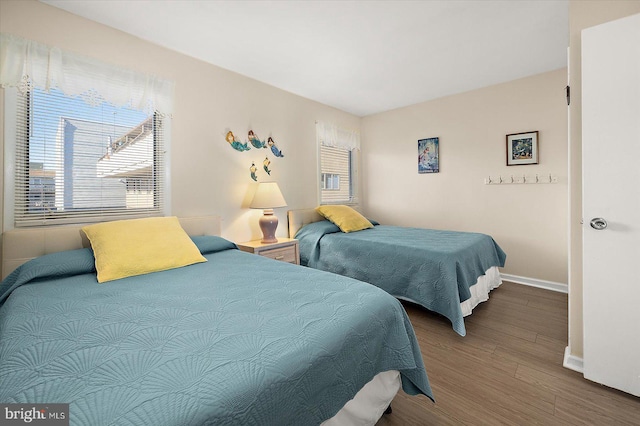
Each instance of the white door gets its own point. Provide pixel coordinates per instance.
(611, 191)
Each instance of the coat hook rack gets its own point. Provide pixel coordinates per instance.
(521, 180)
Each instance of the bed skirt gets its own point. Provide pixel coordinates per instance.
(480, 291)
(370, 402)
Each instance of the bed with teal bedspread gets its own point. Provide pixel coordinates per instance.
(239, 339)
(433, 268)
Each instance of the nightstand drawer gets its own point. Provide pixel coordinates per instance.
(284, 250)
(285, 254)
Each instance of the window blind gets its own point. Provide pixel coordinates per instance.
(338, 154)
(84, 150)
(78, 163)
(338, 151)
(335, 164)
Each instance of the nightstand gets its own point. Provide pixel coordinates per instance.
(285, 250)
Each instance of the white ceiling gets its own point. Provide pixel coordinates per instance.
(362, 57)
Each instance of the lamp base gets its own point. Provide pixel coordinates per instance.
(268, 224)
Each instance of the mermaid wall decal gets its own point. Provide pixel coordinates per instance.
(274, 148)
(236, 144)
(253, 169)
(255, 140)
(265, 165)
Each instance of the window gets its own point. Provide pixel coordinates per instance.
(338, 164)
(331, 181)
(336, 167)
(85, 140)
(80, 163)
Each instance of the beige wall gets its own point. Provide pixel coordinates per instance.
(582, 14)
(528, 221)
(207, 175)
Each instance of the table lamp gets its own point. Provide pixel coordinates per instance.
(268, 197)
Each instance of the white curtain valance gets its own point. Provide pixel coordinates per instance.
(26, 64)
(332, 135)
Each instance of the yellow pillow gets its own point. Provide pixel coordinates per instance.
(125, 248)
(346, 218)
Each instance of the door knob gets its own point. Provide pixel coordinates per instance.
(598, 223)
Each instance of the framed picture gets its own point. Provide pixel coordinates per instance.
(428, 156)
(522, 148)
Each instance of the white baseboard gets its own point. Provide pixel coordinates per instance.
(572, 362)
(534, 282)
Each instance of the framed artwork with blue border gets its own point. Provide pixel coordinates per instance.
(428, 155)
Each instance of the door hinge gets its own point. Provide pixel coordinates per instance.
(568, 90)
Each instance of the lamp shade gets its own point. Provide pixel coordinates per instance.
(267, 196)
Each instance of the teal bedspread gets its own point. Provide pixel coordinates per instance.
(431, 267)
(239, 339)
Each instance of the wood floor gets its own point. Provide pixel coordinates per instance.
(507, 370)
